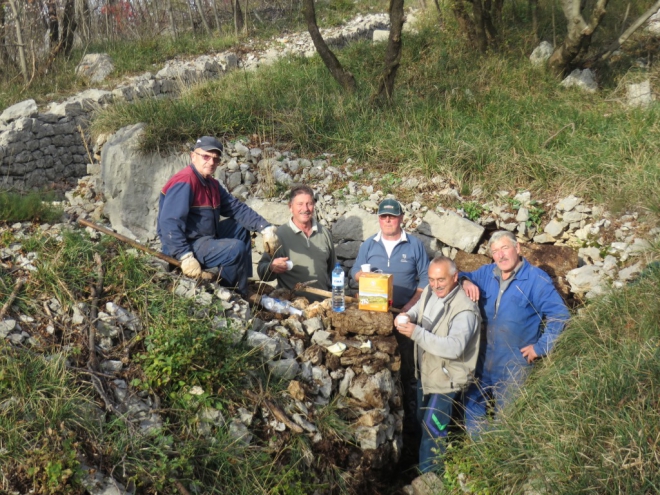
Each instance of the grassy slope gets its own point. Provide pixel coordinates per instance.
(480, 120)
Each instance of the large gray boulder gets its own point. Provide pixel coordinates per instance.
(132, 182)
(95, 67)
(453, 230)
(275, 213)
(356, 225)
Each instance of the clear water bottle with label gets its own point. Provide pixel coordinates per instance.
(338, 304)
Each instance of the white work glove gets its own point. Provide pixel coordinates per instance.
(190, 266)
(271, 241)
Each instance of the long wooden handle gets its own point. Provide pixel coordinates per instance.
(133, 243)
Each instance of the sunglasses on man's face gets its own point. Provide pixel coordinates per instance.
(206, 158)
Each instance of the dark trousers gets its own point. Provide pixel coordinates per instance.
(434, 415)
(408, 383)
(230, 250)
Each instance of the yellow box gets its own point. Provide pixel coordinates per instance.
(375, 291)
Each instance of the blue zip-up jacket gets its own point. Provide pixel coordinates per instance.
(190, 207)
(528, 301)
(409, 264)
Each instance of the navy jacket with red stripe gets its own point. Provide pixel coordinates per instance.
(190, 207)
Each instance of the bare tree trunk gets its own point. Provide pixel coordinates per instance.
(480, 26)
(392, 54)
(19, 41)
(579, 34)
(53, 24)
(84, 19)
(465, 22)
(198, 4)
(217, 17)
(192, 18)
(534, 11)
(247, 16)
(239, 23)
(170, 15)
(497, 12)
(5, 59)
(69, 26)
(342, 76)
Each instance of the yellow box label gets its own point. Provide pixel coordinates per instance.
(375, 291)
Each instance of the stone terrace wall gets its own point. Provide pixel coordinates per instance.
(37, 149)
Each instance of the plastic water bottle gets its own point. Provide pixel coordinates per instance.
(338, 303)
(277, 306)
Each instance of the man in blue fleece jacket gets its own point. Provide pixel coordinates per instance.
(523, 315)
(189, 225)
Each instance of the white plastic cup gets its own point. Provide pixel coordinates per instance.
(366, 267)
(402, 319)
(289, 265)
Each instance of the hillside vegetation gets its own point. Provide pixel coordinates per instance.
(588, 420)
(492, 121)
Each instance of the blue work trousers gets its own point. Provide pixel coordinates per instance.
(230, 250)
(493, 391)
(434, 414)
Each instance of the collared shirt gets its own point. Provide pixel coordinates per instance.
(505, 283)
(315, 227)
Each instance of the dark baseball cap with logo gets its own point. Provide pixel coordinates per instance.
(208, 143)
(390, 207)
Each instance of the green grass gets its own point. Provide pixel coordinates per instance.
(50, 413)
(588, 420)
(16, 207)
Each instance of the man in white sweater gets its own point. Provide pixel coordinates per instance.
(445, 327)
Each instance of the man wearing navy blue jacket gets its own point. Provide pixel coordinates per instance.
(189, 225)
(523, 315)
(393, 251)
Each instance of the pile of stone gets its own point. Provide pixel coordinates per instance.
(350, 358)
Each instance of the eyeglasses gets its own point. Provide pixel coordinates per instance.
(206, 158)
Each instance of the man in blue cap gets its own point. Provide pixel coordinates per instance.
(189, 225)
(393, 251)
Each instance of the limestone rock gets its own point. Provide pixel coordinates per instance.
(355, 225)
(453, 230)
(554, 228)
(286, 369)
(373, 390)
(381, 35)
(95, 67)
(427, 484)
(585, 278)
(582, 79)
(541, 53)
(639, 95)
(23, 109)
(132, 182)
(275, 213)
(354, 320)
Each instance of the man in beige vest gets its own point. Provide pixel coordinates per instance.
(445, 327)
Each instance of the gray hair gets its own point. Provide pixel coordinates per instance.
(439, 258)
(502, 234)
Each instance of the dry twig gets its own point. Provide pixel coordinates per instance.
(17, 287)
(97, 290)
